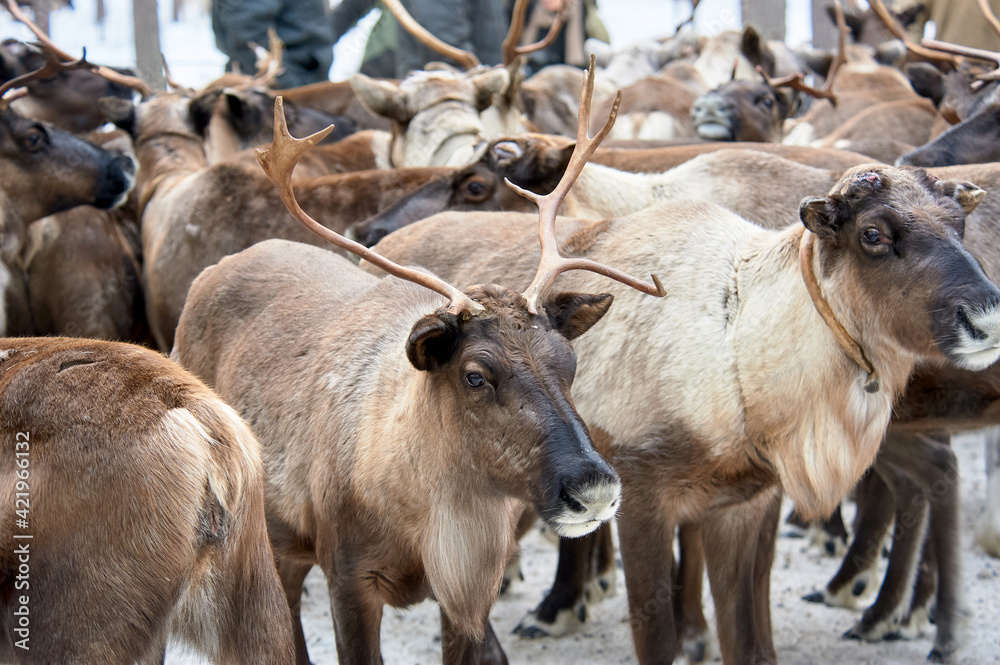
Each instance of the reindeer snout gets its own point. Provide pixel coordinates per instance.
(586, 502)
(712, 117)
(116, 182)
(367, 234)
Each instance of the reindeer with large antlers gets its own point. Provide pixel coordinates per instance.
(736, 386)
(403, 435)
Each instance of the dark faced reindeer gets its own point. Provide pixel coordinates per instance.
(142, 496)
(44, 170)
(482, 428)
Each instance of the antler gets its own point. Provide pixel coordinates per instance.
(464, 58)
(170, 79)
(797, 81)
(279, 161)
(897, 30)
(510, 43)
(115, 77)
(552, 263)
(270, 66)
(53, 65)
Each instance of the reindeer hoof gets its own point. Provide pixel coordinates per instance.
(852, 634)
(859, 586)
(697, 648)
(815, 597)
(939, 656)
(567, 620)
(601, 587)
(512, 573)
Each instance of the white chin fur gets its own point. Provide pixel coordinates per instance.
(977, 354)
(574, 529)
(714, 131)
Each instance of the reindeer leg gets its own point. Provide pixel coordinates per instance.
(563, 607)
(357, 618)
(988, 525)
(293, 576)
(875, 511)
(692, 628)
(924, 592)
(899, 464)
(513, 571)
(735, 572)
(945, 539)
(766, 543)
(645, 536)
(458, 649)
(605, 572)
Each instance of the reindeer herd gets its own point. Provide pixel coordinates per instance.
(669, 290)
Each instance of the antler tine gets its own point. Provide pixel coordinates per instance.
(797, 81)
(279, 161)
(984, 7)
(53, 65)
(968, 52)
(466, 59)
(170, 79)
(510, 43)
(898, 32)
(269, 67)
(552, 263)
(128, 81)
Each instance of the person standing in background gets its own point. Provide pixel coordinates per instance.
(582, 23)
(478, 26)
(303, 26)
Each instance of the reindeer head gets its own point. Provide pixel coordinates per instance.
(744, 111)
(893, 236)
(507, 374)
(505, 357)
(535, 162)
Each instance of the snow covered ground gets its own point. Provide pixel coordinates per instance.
(805, 634)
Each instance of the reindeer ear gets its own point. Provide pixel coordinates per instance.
(201, 109)
(967, 195)
(432, 341)
(246, 117)
(553, 162)
(852, 18)
(821, 216)
(382, 98)
(927, 81)
(488, 84)
(119, 111)
(756, 50)
(573, 314)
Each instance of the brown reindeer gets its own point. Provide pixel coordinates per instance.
(68, 99)
(389, 518)
(142, 500)
(44, 170)
(192, 214)
(735, 179)
(798, 390)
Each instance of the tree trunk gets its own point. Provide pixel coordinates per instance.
(824, 30)
(148, 63)
(101, 12)
(768, 16)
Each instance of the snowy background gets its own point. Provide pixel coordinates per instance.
(190, 47)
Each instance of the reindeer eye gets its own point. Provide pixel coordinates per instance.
(33, 138)
(766, 102)
(475, 380)
(475, 188)
(872, 236)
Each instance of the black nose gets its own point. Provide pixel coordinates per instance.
(372, 235)
(116, 181)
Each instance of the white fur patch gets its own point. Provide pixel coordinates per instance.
(5, 278)
(974, 353)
